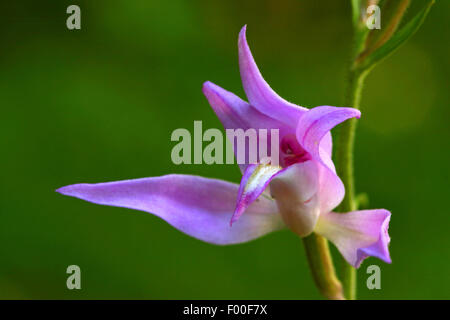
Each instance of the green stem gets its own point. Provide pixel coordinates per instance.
(344, 159)
(321, 266)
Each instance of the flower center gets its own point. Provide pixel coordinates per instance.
(291, 151)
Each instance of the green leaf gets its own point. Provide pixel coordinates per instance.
(397, 39)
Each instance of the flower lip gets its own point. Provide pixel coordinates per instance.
(380, 249)
(358, 234)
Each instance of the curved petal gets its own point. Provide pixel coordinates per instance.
(296, 192)
(316, 123)
(254, 181)
(235, 113)
(197, 206)
(331, 188)
(357, 234)
(259, 93)
(327, 143)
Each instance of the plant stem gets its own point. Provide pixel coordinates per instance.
(344, 159)
(322, 268)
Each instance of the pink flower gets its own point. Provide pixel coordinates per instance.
(300, 193)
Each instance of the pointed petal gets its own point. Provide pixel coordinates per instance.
(259, 93)
(197, 206)
(316, 123)
(357, 234)
(295, 190)
(254, 181)
(235, 113)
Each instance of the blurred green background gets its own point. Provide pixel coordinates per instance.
(100, 103)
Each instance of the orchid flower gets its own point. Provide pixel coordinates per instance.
(300, 192)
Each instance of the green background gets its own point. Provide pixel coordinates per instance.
(100, 103)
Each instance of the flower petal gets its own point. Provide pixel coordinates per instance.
(316, 123)
(197, 206)
(331, 188)
(259, 93)
(254, 181)
(296, 191)
(357, 234)
(235, 113)
(327, 143)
